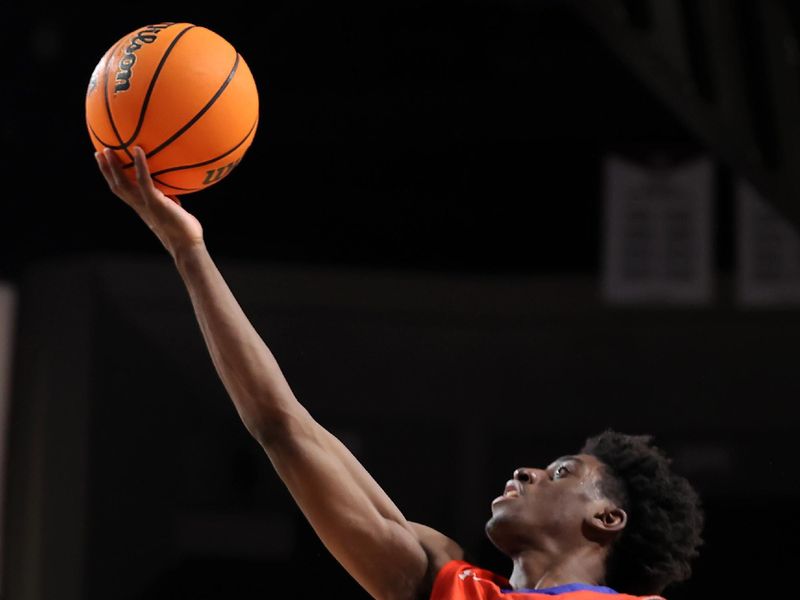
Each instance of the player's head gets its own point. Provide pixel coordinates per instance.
(620, 497)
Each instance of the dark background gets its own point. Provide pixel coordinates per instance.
(449, 135)
(423, 196)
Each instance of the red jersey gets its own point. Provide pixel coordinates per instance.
(459, 580)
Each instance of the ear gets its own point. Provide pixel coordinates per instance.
(609, 519)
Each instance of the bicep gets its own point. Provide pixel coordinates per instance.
(348, 510)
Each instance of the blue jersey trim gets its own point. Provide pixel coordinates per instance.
(564, 589)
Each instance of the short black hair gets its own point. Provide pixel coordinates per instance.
(665, 517)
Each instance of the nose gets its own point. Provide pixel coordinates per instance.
(525, 475)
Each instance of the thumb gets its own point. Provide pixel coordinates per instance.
(176, 200)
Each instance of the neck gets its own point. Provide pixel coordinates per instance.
(535, 569)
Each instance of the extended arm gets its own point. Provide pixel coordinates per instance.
(354, 518)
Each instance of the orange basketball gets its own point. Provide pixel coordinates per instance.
(182, 93)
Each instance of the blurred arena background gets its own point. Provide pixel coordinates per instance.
(473, 233)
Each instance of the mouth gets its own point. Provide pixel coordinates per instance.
(512, 490)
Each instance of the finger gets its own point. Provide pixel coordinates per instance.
(120, 182)
(142, 171)
(176, 200)
(111, 168)
(104, 169)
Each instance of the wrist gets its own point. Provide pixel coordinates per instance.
(187, 255)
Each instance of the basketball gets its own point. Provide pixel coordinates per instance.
(181, 92)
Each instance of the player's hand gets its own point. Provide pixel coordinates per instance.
(175, 227)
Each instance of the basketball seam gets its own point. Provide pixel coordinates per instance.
(197, 117)
(207, 162)
(175, 187)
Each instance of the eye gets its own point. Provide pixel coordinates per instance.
(560, 472)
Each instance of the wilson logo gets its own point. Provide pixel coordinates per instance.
(148, 35)
(215, 175)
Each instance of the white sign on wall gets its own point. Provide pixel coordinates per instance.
(658, 232)
(768, 252)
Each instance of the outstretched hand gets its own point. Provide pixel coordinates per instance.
(175, 227)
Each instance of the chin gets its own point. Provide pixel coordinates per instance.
(500, 529)
(508, 531)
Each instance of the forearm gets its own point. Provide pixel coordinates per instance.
(243, 361)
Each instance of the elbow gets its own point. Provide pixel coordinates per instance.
(268, 430)
(275, 427)
(268, 414)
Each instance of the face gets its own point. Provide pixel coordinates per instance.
(553, 509)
